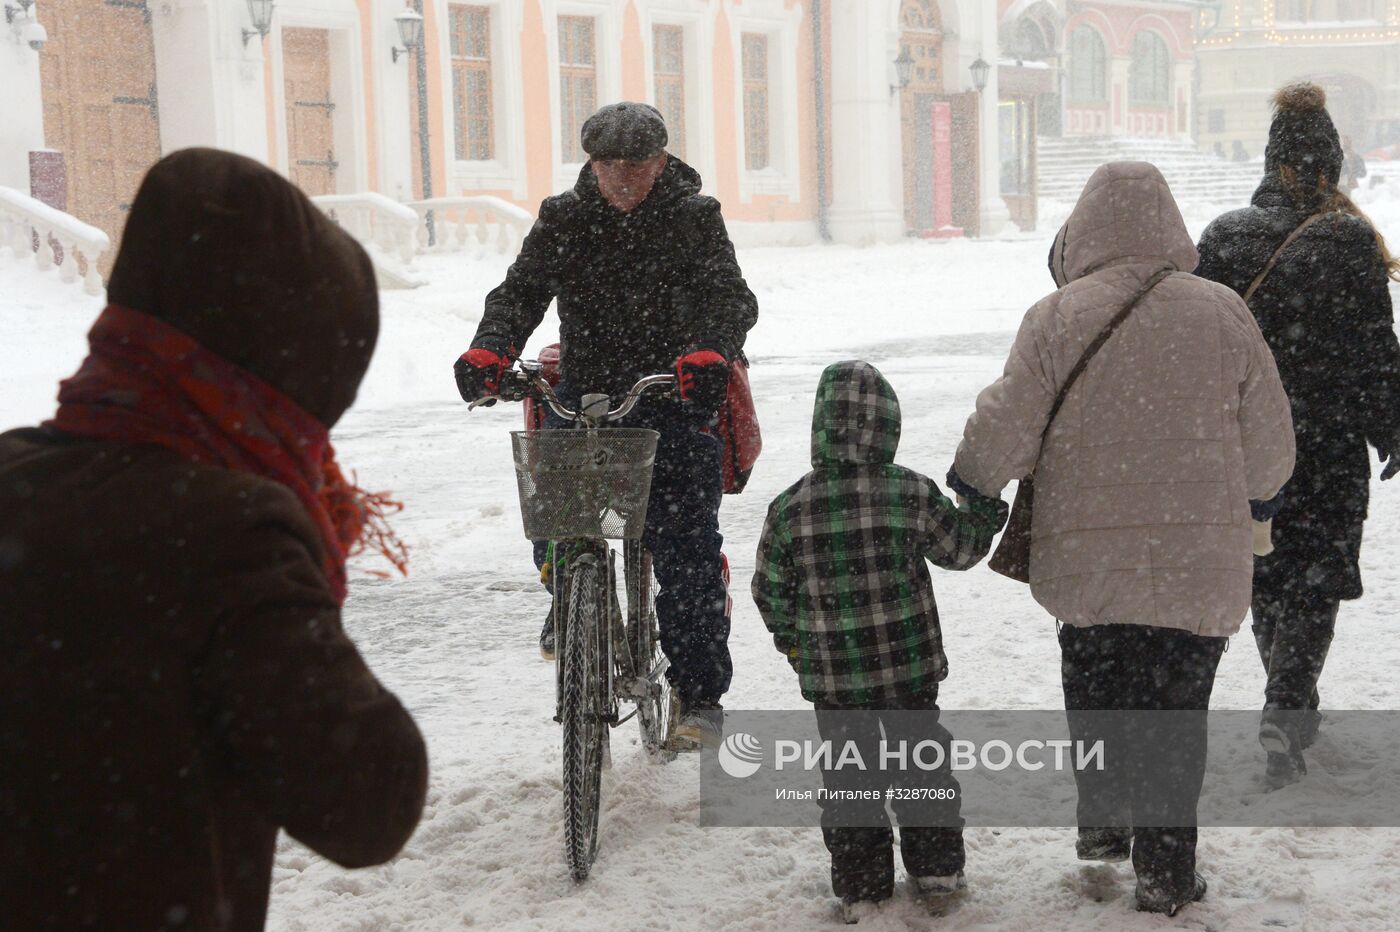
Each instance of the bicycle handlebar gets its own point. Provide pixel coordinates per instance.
(526, 382)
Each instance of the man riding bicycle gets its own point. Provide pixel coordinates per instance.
(646, 281)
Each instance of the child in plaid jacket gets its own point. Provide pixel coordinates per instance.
(842, 584)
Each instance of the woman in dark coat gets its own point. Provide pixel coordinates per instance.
(1325, 310)
(175, 683)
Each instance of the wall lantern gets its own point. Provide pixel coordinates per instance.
(22, 10)
(903, 70)
(410, 25)
(260, 12)
(30, 31)
(980, 70)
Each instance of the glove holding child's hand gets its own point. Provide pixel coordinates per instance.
(1263, 538)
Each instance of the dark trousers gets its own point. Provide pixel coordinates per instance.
(858, 832)
(682, 534)
(1154, 764)
(1293, 628)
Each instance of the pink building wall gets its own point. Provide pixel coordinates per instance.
(538, 78)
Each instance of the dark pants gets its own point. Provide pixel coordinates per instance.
(857, 832)
(682, 534)
(1293, 627)
(1154, 764)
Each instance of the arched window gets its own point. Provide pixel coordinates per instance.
(1149, 73)
(1088, 66)
(1031, 42)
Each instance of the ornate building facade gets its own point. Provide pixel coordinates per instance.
(1249, 48)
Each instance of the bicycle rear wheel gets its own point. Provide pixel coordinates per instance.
(644, 644)
(581, 711)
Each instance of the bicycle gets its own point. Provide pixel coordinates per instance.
(578, 489)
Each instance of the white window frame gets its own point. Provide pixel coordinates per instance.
(782, 26)
(506, 170)
(697, 22)
(607, 43)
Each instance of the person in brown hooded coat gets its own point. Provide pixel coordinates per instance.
(175, 683)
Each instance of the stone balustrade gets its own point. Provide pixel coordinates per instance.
(53, 238)
(479, 224)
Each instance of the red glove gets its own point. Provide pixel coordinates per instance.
(703, 377)
(479, 372)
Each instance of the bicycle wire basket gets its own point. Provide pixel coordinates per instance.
(584, 483)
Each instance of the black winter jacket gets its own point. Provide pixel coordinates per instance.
(1325, 311)
(635, 289)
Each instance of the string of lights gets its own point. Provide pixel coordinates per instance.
(1300, 35)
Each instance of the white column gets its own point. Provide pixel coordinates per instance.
(866, 193)
(1118, 97)
(993, 214)
(184, 45)
(239, 96)
(24, 103)
(1183, 79)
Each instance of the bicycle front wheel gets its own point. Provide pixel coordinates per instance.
(581, 712)
(643, 634)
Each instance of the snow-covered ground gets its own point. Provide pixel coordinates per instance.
(457, 638)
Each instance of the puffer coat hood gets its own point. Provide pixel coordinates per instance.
(1143, 483)
(1125, 216)
(856, 417)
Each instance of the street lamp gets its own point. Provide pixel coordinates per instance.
(903, 70)
(410, 25)
(980, 70)
(22, 10)
(260, 12)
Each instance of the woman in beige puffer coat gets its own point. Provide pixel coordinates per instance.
(1141, 542)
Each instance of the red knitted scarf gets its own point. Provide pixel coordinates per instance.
(144, 381)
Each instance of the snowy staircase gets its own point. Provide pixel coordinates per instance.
(1195, 177)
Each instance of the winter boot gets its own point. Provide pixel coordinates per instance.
(699, 725)
(1152, 899)
(1284, 769)
(1307, 730)
(1104, 844)
(547, 637)
(1279, 735)
(931, 886)
(854, 910)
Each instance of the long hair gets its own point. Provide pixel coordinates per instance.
(1328, 198)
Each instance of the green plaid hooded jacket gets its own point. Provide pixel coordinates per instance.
(841, 578)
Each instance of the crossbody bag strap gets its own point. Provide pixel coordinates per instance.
(1098, 343)
(1273, 260)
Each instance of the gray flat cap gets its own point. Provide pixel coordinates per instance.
(626, 130)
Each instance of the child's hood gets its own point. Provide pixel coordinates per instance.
(856, 416)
